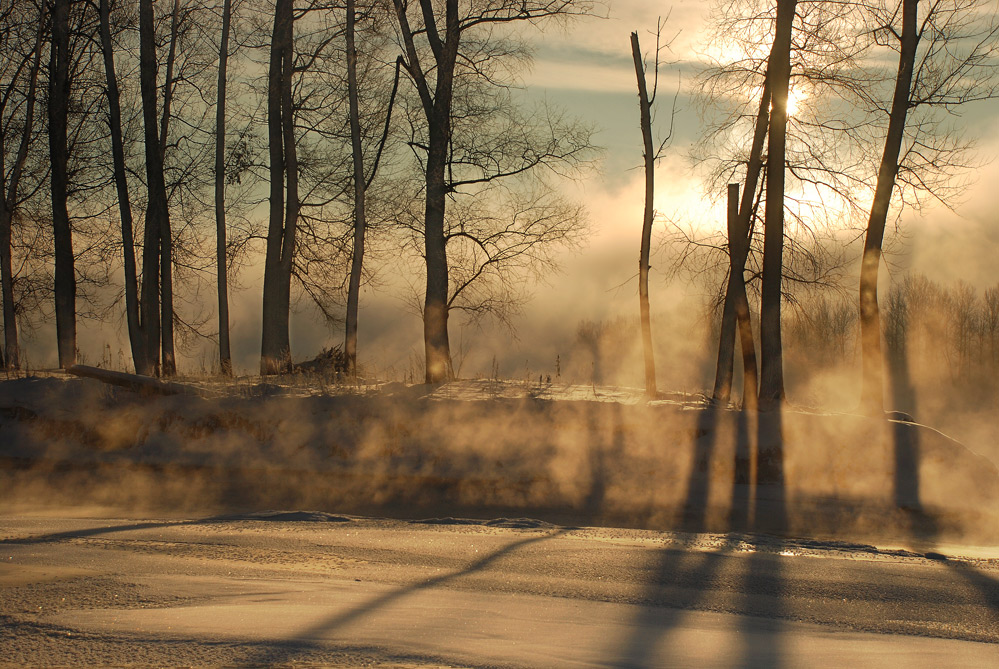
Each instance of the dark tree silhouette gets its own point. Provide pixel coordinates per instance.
(778, 77)
(22, 68)
(58, 113)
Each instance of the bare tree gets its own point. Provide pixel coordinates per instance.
(645, 103)
(17, 115)
(778, 77)
(275, 350)
(140, 356)
(58, 116)
(221, 255)
(360, 222)
(946, 59)
(446, 28)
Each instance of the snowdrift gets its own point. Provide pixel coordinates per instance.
(576, 455)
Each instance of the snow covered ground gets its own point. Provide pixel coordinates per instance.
(294, 587)
(134, 530)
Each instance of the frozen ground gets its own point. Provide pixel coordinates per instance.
(294, 588)
(132, 530)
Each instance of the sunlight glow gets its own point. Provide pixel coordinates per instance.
(795, 97)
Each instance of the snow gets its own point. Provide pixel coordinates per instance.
(481, 523)
(303, 587)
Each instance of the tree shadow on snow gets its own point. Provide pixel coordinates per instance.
(748, 584)
(305, 642)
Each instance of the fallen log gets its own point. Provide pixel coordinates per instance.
(136, 382)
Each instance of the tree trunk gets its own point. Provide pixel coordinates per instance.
(357, 257)
(778, 75)
(275, 354)
(11, 358)
(736, 308)
(736, 313)
(872, 383)
(65, 271)
(221, 257)
(166, 235)
(135, 335)
(650, 189)
(435, 306)
(156, 291)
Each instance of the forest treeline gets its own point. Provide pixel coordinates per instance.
(149, 151)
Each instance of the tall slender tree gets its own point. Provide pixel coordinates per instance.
(275, 348)
(778, 77)
(360, 222)
(140, 356)
(645, 117)
(872, 388)
(58, 116)
(221, 254)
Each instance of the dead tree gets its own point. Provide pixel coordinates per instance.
(650, 156)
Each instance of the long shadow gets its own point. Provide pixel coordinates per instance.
(740, 516)
(699, 478)
(681, 577)
(771, 505)
(907, 490)
(305, 641)
(762, 592)
(66, 535)
(97, 531)
(905, 436)
(602, 453)
(680, 581)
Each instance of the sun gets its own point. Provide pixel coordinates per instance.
(795, 98)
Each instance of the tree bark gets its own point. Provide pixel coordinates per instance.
(135, 335)
(166, 235)
(275, 353)
(221, 257)
(360, 223)
(437, 109)
(872, 381)
(156, 252)
(650, 189)
(736, 313)
(65, 271)
(778, 75)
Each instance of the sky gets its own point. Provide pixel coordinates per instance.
(586, 68)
